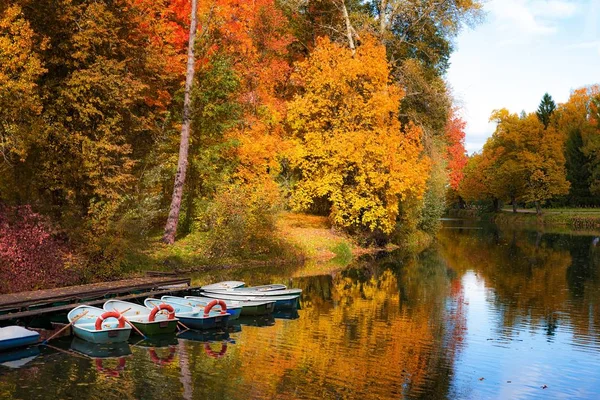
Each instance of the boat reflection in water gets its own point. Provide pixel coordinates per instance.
(101, 353)
(18, 358)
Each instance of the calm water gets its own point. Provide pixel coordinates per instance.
(483, 314)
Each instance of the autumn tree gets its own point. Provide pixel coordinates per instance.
(545, 109)
(530, 163)
(20, 102)
(457, 157)
(350, 147)
(576, 121)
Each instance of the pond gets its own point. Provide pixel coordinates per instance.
(483, 314)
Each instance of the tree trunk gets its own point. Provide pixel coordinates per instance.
(171, 226)
(349, 28)
(538, 208)
(496, 205)
(382, 23)
(514, 204)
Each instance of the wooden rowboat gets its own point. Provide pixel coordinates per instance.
(193, 317)
(234, 311)
(98, 326)
(149, 322)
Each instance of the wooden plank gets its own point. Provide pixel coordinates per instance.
(72, 293)
(48, 310)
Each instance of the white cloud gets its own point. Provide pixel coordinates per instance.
(532, 17)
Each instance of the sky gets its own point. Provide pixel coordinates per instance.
(521, 50)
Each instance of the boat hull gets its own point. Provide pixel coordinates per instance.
(156, 327)
(205, 323)
(234, 312)
(104, 336)
(281, 303)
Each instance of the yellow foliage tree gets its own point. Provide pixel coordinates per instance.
(349, 145)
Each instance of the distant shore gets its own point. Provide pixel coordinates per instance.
(573, 218)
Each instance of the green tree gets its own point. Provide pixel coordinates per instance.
(546, 109)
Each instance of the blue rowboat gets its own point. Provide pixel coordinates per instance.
(248, 307)
(192, 317)
(12, 337)
(234, 311)
(111, 330)
(281, 302)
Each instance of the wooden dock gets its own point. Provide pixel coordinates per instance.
(37, 302)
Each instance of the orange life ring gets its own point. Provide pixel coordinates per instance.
(211, 353)
(213, 303)
(110, 314)
(109, 371)
(162, 361)
(160, 307)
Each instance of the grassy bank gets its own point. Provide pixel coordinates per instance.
(298, 238)
(571, 218)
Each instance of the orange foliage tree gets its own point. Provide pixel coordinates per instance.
(457, 158)
(349, 145)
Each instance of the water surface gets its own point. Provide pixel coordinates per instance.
(482, 314)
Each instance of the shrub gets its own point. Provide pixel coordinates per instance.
(32, 254)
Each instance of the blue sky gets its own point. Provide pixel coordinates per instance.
(523, 49)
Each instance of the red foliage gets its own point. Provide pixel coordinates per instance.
(31, 256)
(457, 157)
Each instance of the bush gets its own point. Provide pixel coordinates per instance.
(241, 221)
(32, 255)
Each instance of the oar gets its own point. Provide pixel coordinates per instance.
(77, 318)
(181, 323)
(131, 324)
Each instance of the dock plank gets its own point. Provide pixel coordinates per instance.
(56, 309)
(24, 300)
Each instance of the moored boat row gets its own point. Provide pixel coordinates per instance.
(215, 307)
(221, 303)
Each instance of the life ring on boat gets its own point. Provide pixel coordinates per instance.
(109, 371)
(110, 314)
(211, 353)
(213, 303)
(162, 361)
(160, 307)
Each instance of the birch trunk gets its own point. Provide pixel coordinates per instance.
(171, 226)
(349, 28)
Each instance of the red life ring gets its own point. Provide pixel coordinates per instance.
(160, 307)
(213, 303)
(109, 371)
(162, 361)
(110, 314)
(211, 353)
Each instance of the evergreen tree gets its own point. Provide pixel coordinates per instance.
(545, 110)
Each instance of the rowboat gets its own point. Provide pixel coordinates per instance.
(16, 336)
(281, 302)
(234, 311)
(256, 293)
(193, 317)
(263, 288)
(239, 285)
(247, 307)
(98, 326)
(149, 322)
(224, 285)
